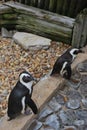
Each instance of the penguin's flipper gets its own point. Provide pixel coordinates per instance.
(68, 72)
(32, 105)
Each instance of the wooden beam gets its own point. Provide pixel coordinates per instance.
(41, 22)
(79, 38)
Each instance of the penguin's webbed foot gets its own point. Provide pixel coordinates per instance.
(28, 112)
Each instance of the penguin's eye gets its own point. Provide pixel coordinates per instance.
(26, 79)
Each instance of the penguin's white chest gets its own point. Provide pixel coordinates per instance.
(23, 105)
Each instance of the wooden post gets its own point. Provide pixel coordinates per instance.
(72, 8)
(65, 9)
(42, 4)
(59, 6)
(46, 4)
(33, 3)
(79, 37)
(52, 5)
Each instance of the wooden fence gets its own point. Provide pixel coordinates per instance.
(65, 7)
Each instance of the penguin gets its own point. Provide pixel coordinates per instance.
(62, 65)
(20, 96)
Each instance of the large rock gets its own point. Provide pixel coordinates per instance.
(31, 41)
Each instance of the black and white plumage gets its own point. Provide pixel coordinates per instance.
(62, 65)
(20, 96)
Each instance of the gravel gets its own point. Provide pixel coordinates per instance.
(14, 59)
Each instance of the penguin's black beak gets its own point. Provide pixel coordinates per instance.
(34, 79)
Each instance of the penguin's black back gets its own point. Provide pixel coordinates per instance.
(14, 101)
(65, 57)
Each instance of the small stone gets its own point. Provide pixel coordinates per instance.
(69, 128)
(84, 102)
(73, 85)
(5, 33)
(81, 114)
(79, 122)
(44, 113)
(54, 104)
(82, 67)
(5, 93)
(83, 89)
(67, 117)
(52, 121)
(35, 125)
(46, 128)
(85, 127)
(73, 94)
(60, 99)
(1, 99)
(73, 104)
(84, 79)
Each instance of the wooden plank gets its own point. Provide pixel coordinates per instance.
(42, 14)
(44, 28)
(5, 9)
(77, 28)
(83, 40)
(79, 38)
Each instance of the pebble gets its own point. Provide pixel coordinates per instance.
(70, 128)
(83, 89)
(1, 99)
(79, 122)
(73, 104)
(67, 117)
(81, 114)
(5, 33)
(52, 120)
(84, 102)
(60, 99)
(54, 104)
(73, 85)
(46, 128)
(73, 94)
(44, 113)
(5, 93)
(35, 125)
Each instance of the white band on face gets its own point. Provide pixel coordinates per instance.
(28, 85)
(72, 52)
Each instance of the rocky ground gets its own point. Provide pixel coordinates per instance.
(67, 109)
(14, 59)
